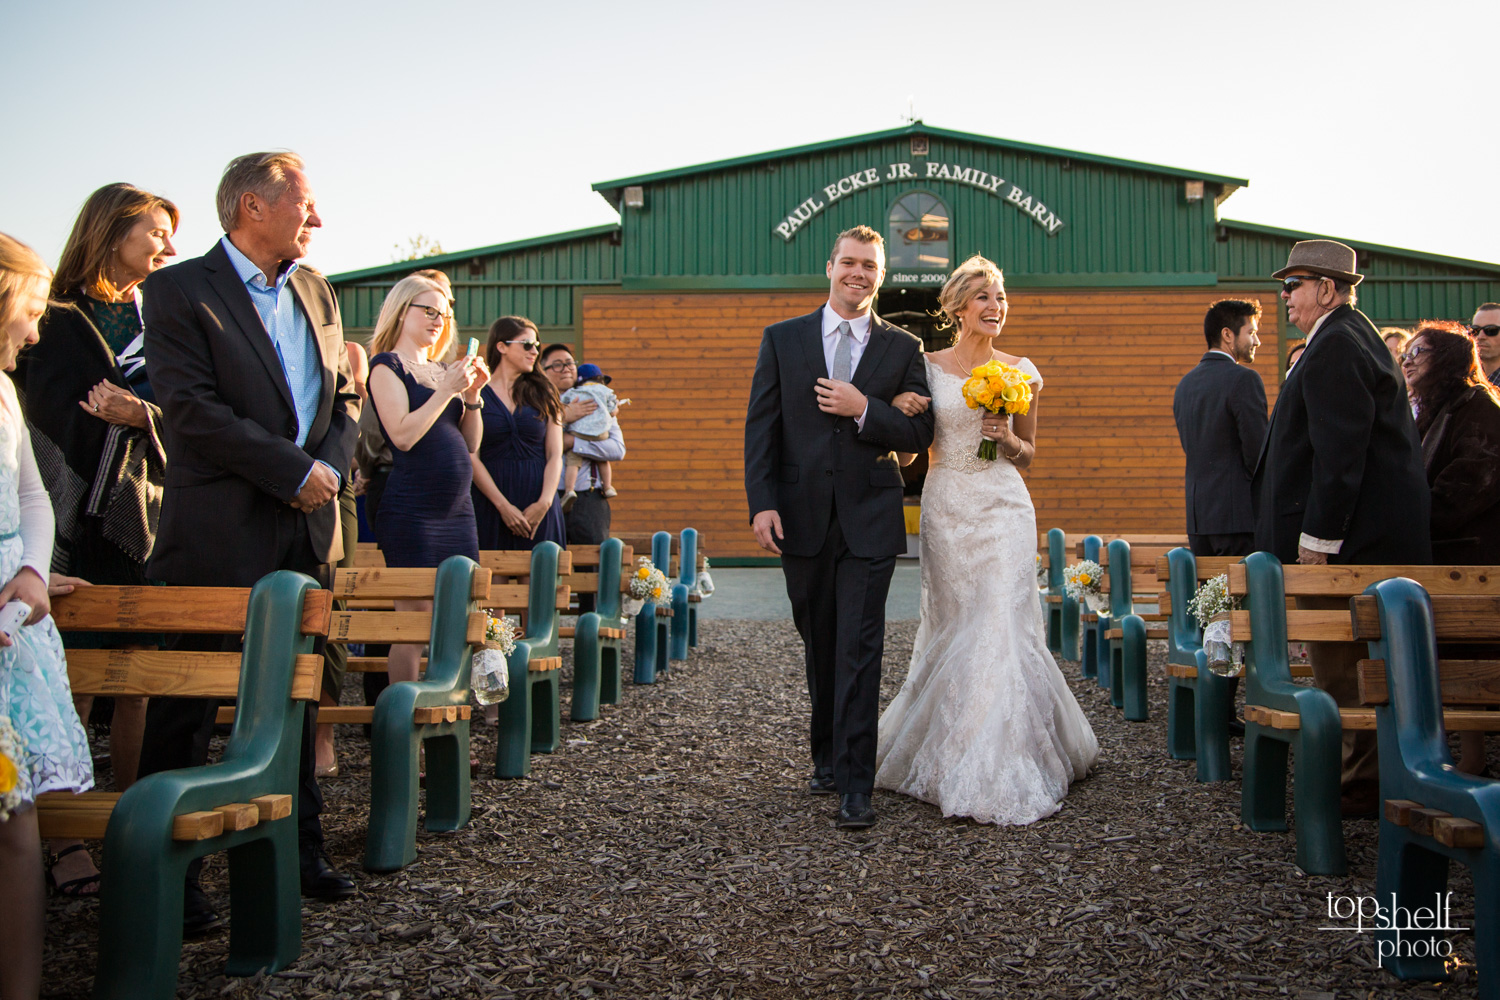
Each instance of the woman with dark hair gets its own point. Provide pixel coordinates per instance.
(1458, 417)
(520, 458)
(97, 434)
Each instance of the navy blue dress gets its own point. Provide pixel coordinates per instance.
(514, 450)
(425, 513)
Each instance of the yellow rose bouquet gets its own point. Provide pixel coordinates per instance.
(998, 388)
(12, 756)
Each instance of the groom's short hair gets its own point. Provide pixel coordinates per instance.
(860, 234)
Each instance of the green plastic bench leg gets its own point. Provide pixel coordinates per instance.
(1416, 874)
(1101, 657)
(693, 626)
(1089, 665)
(1182, 695)
(1133, 668)
(391, 841)
(449, 779)
(663, 646)
(678, 629)
(513, 747)
(1319, 823)
(546, 712)
(1214, 699)
(587, 666)
(645, 645)
(609, 672)
(1068, 648)
(265, 928)
(1263, 788)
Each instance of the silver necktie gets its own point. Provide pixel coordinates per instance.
(843, 369)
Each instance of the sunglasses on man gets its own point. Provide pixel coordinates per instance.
(1489, 330)
(1290, 285)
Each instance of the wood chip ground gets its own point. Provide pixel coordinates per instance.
(670, 849)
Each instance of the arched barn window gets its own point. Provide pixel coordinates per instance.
(917, 233)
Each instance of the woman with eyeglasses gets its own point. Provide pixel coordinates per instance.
(520, 460)
(430, 414)
(1458, 416)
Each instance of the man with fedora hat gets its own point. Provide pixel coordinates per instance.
(1340, 479)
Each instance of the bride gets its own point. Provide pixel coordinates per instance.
(984, 725)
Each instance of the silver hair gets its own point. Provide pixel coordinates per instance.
(263, 174)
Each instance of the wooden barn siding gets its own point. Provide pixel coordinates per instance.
(1108, 457)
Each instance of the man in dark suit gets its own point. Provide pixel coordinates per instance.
(1220, 409)
(824, 489)
(1340, 479)
(246, 354)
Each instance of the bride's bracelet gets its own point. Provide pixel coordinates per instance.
(1019, 452)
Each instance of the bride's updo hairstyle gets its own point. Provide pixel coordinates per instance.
(972, 275)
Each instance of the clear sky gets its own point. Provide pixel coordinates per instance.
(482, 122)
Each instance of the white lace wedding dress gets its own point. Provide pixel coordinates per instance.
(984, 725)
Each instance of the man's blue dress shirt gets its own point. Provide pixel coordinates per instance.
(285, 322)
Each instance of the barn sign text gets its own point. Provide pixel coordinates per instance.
(872, 176)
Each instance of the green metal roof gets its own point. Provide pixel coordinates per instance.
(407, 266)
(1431, 258)
(610, 190)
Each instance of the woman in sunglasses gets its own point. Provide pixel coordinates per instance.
(517, 467)
(1458, 416)
(429, 412)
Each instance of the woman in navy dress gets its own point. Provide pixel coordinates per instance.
(429, 412)
(520, 459)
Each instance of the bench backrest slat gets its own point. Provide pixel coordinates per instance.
(372, 584)
(1462, 682)
(210, 610)
(1349, 581)
(1206, 567)
(1454, 617)
(414, 627)
(516, 563)
(158, 673)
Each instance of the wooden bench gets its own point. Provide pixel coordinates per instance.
(1281, 715)
(685, 596)
(1061, 610)
(1122, 629)
(653, 622)
(599, 636)
(242, 804)
(531, 716)
(1194, 693)
(1431, 814)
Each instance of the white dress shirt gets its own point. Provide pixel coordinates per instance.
(859, 326)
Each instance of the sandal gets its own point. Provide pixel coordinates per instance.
(86, 887)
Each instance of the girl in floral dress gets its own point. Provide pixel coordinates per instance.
(42, 744)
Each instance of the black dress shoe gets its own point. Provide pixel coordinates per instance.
(855, 811)
(320, 880)
(1235, 727)
(198, 916)
(821, 782)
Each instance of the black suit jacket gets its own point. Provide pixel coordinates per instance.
(1342, 459)
(804, 463)
(232, 457)
(1220, 409)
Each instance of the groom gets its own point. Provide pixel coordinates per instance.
(825, 494)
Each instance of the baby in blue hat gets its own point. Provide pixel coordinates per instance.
(592, 385)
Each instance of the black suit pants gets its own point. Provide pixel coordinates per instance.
(587, 524)
(1239, 543)
(178, 730)
(838, 604)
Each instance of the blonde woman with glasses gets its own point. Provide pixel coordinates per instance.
(429, 412)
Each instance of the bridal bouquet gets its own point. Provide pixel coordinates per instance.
(489, 676)
(1084, 582)
(11, 755)
(998, 388)
(648, 584)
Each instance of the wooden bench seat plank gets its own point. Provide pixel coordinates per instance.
(197, 825)
(272, 807)
(161, 609)
(364, 715)
(544, 664)
(1455, 719)
(1151, 633)
(1456, 832)
(179, 675)
(239, 815)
